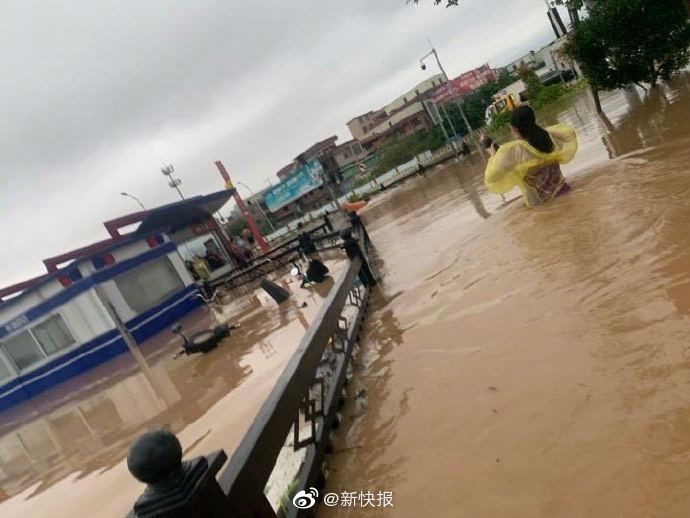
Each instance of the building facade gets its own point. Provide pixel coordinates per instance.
(58, 326)
(349, 153)
(529, 60)
(374, 123)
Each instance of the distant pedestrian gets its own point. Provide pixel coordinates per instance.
(248, 236)
(307, 246)
(239, 254)
(358, 225)
(327, 222)
(353, 251)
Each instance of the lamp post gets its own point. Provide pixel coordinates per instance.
(134, 198)
(434, 53)
(173, 183)
(270, 223)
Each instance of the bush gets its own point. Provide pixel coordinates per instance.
(399, 152)
(549, 94)
(499, 123)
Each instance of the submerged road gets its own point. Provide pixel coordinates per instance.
(63, 453)
(533, 363)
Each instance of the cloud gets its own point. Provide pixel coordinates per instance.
(96, 94)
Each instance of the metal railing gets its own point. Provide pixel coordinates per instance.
(276, 258)
(304, 401)
(254, 459)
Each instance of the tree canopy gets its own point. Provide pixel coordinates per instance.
(624, 41)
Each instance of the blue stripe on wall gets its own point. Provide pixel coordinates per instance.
(98, 350)
(87, 283)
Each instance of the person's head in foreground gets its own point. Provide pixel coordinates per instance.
(525, 126)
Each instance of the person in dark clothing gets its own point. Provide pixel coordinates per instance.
(327, 222)
(307, 246)
(357, 224)
(316, 273)
(353, 251)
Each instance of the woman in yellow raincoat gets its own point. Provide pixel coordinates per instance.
(532, 162)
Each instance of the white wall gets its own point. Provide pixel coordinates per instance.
(403, 114)
(86, 317)
(422, 87)
(16, 309)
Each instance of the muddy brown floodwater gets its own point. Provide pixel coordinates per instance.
(534, 363)
(62, 453)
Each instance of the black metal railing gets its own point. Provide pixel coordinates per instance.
(254, 459)
(304, 401)
(276, 258)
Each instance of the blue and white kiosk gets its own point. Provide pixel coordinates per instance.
(59, 327)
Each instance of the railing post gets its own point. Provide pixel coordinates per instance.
(176, 488)
(353, 251)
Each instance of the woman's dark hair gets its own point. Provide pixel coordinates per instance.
(524, 121)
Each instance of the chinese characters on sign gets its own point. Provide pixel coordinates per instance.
(202, 228)
(306, 178)
(464, 84)
(15, 324)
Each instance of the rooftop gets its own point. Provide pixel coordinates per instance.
(160, 219)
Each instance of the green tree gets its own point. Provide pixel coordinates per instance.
(630, 41)
(401, 151)
(532, 82)
(476, 103)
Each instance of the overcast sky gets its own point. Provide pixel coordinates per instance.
(94, 94)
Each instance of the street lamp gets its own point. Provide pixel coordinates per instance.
(447, 81)
(270, 223)
(134, 198)
(173, 183)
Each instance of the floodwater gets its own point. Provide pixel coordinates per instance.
(533, 363)
(62, 453)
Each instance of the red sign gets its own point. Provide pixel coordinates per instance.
(203, 228)
(464, 84)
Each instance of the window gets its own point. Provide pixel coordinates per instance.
(149, 284)
(53, 335)
(30, 347)
(23, 350)
(5, 371)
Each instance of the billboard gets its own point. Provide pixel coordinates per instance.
(304, 179)
(464, 84)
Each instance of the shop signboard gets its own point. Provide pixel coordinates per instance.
(304, 179)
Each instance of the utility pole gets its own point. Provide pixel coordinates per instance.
(448, 85)
(173, 183)
(251, 222)
(258, 206)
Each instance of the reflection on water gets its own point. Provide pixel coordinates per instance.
(62, 453)
(535, 363)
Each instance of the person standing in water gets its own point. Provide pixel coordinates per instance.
(532, 162)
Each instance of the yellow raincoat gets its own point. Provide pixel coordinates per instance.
(512, 164)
